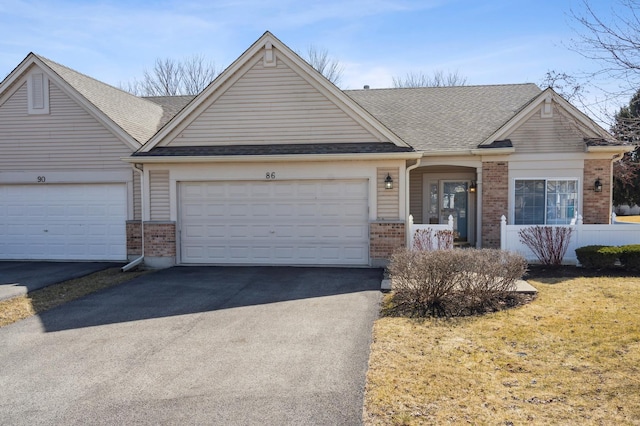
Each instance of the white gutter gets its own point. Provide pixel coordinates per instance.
(271, 158)
(139, 260)
(408, 201)
(611, 148)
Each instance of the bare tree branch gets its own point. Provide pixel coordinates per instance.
(197, 73)
(170, 77)
(438, 79)
(613, 42)
(320, 60)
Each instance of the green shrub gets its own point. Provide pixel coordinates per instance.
(630, 257)
(597, 257)
(452, 282)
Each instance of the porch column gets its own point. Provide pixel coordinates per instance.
(495, 198)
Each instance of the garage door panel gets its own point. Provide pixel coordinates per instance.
(63, 222)
(274, 222)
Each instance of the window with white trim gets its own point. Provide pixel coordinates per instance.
(545, 201)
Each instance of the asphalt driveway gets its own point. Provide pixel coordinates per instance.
(198, 345)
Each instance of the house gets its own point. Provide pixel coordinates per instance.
(273, 164)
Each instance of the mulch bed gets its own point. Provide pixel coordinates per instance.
(571, 271)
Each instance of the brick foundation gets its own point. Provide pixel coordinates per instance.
(495, 199)
(160, 239)
(596, 205)
(134, 238)
(384, 239)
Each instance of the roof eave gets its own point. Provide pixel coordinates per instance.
(610, 148)
(478, 151)
(270, 158)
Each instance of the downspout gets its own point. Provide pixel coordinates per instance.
(138, 261)
(407, 200)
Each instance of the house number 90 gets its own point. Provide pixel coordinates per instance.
(42, 179)
(271, 175)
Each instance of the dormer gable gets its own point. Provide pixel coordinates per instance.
(548, 124)
(271, 96)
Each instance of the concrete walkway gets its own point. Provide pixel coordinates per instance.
(521, 286)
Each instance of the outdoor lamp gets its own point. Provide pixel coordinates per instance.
(597, 186)
(388, 182)
(473, 186)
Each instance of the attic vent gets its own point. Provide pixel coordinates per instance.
(269, 55)
(38, 92)
(547, 108)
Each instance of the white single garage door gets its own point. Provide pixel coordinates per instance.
(316, 222)
(63, 222)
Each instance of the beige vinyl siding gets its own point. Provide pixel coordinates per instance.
(159, 194)
(388, 199)
(272, 105)
(67, 138)
(137, 197)
(415, 195)
(547, 135)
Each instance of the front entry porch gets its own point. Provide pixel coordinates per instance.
(438, 192)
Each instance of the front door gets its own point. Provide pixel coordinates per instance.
(454, 202)
(449, 198)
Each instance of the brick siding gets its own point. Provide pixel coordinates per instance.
(385, 238)
(160, 239)
(495, 196)
(134, 238)
(596, 205)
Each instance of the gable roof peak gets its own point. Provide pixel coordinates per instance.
(138, 117)
(271, 49)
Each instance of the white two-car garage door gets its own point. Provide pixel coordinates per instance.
(63, 222)
(315, 222)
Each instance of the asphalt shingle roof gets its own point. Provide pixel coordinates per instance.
(171, 105)
(137, 116)
(445, 118)
(442, 119)
(280, 149)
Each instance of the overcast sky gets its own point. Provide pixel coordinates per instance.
(488, 42)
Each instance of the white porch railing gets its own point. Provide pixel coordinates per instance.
(413, 228)
(616, 234)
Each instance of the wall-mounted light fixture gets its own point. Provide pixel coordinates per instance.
(597, 186)
(388, 182)
(473, 187)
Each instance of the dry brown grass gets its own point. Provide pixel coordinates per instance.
(630, 219)
(38, 301)
(570, 357)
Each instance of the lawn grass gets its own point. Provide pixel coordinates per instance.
(629, 219)
(572, 356)
(21, 307)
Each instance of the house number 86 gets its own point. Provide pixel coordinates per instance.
(271, 175)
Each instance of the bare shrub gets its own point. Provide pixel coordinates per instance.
(423, 239)
(489, 275)
(548, 243)
(445, 239)
(427, 240)
(452, 282)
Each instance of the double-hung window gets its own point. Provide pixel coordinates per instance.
(545, 201)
